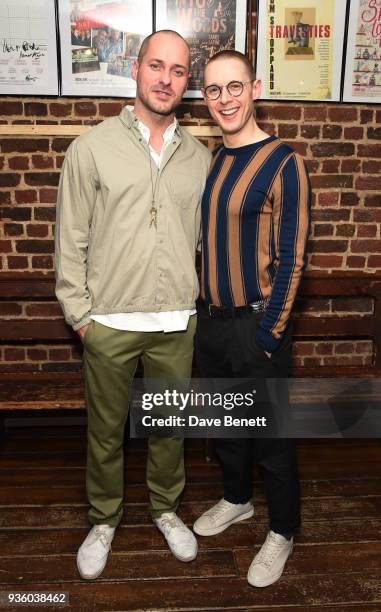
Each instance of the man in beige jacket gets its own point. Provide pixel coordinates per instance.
(128, 216)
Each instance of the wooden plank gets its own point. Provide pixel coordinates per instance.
(200, 131)
(164, 595)
(23, 570)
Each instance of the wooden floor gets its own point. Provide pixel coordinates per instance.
(336, 563)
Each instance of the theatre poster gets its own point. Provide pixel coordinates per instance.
(363, 59)
(100, 40)
(300, 49)
(209, 26)
(28, 53)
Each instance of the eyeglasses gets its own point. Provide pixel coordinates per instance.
(234, 88)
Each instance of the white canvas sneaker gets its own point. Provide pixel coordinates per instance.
(221, 516)
(180, 539)
(93, 553)
(267, 566)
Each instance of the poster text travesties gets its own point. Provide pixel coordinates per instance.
(299, 49)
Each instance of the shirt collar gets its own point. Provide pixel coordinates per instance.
(144, 130)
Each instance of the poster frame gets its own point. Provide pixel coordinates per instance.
(350, 59)
(68, 88)
(338, 53)
(161, 23)
(51, 86)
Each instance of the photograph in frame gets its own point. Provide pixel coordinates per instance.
(362, 81)
(28, 50)
(209, 26)
(100, 40)
(300, 49)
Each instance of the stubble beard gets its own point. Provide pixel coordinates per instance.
(164, 112)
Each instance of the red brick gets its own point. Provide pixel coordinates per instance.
(5, 246)
(42, 262)
(60, 109)
(342, 114)
(369, 150)
(17, 367)
(371, 166)
(312, 362)
(24, 145)
(299, 147)
(328, 198)
(331, 166)
(35, 354)
(14, 354)
(2, 162)
(312, 166)
(17, 262)
(59, 354)
(365, 246)
(45, 213)
(365, 346)
(10, 108)
(110, 109)
(374, 261)
(354, 261)
(287, 130)
(350, 165)
(324, 348)
(344, 348)
(326, 261)
(60, 145)
(374, 133)
(42, 178)
(366, 116)
(303, 348)
(373, 200)
(315, 113)
(18, 163)
(328, 246)
(353, 133)
(26, 196)
(59, 161)
(346, 230)
(37, 231)
(48, 196)
(349, 198)
(333, 149)
(368, 183)
(310, 131)
(41, 162)
(13, 229)
(34, 246)
(5, 197)
(10, 309)
(369, 215)
(326, 181)
(267, 127)
(323, 229)
(44, 310)
(8, 179)
(16, 214)
(38, 109)
(85, 109)
(378, 116)
(332, 132)
(367, 231)
(281, 113)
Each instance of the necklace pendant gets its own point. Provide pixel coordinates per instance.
(153, 213)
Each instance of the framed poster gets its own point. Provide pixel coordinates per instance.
(100, 40)
(300, 49)
(28, 52)
(362, 81)
(208, 25)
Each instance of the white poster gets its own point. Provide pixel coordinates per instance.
(28, 53)
(363, 61)
(100, 40)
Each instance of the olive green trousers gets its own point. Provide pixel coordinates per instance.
(110, 360)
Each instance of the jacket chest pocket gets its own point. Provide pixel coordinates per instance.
(185, 190)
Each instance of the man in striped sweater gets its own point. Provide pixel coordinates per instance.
(255, 224)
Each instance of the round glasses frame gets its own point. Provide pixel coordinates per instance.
(234, 88)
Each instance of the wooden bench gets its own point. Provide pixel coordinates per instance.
(65, 390)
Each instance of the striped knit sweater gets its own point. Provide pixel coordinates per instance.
(255, 225)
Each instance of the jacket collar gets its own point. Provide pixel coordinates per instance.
(130, 120)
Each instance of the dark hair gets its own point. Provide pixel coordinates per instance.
(145, 44)
(233, 54)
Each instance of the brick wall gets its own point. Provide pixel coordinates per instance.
(340, 142)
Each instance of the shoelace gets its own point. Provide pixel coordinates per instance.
(102, 536)
(215, 512)
(173, 522)
(269, 551)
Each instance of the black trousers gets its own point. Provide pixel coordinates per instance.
(225, 348)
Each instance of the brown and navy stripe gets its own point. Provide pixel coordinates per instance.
(255, 224)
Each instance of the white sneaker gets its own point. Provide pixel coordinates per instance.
(180, 539)
(93, 553)
(267, 566)
(221, 516)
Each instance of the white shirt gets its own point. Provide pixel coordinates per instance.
(169, 321)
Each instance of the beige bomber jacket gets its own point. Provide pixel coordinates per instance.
(108, 259)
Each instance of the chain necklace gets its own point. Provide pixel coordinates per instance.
(153, 209)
